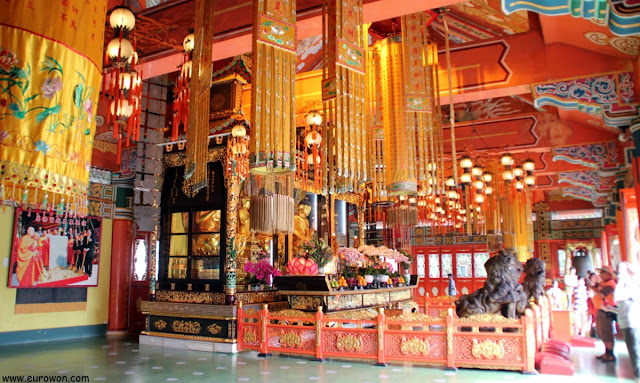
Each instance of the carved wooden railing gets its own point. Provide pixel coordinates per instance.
(435, 306)
(482, 341)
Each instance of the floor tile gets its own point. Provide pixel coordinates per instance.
(95, 357)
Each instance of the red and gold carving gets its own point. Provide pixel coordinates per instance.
(414, 346)
(349, 343)
(488, 349)
(291, 339)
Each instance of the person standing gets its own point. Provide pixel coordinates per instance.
(77, 250)
(570, 283)
(88, 249)
(593, 280)
(627, 296)
(28, 269)
(452, 286)
(556, 296)
(580, 308)
(603, 302)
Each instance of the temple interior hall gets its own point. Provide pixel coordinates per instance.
(312, 190)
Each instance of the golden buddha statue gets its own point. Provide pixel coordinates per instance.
(301, 229)
(243, 219)
(208, 220)
(207, 244)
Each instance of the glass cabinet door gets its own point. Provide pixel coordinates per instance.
(195, 245)
(178, 246)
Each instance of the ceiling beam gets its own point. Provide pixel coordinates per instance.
(309, 24)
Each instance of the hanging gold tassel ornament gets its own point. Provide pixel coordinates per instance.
(420, 96)
(399, 138)
(343, 95)
(375, 130)
(195, 172)
(273, 143)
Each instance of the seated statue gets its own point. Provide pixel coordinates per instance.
(501, 293)
(208, 221)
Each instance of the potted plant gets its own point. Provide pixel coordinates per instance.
(369, 273)
(406, 265)
(383, 271)
(261, 272)
(318, 251)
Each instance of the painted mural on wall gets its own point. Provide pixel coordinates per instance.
(54, 250)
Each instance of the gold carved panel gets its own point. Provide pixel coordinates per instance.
(160, 324)
(190, 327)
(214, 329)
(414, 346)
(349, 343)
(291, 339)
(488, 349)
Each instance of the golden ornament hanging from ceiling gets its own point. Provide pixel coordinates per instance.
(421, 104)
(375, 128)
(273, 143)
(399, 136)
(198, 122)
(343, 95)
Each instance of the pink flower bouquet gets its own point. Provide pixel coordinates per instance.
(261, 271)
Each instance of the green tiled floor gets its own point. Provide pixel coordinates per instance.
(124, 360)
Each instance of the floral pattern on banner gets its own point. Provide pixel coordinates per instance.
(48, 101)
(612, 93)
(20, 96)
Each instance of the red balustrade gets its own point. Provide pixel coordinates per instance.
(482, 342)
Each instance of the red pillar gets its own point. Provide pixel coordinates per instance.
(121, 251)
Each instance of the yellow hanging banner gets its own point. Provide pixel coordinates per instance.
(50, 75)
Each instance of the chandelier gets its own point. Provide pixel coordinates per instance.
(181, 93)
(124, 84)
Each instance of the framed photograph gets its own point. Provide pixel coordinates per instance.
(51, 250)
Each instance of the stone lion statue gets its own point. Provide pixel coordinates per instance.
(501, 294)
(534, 282)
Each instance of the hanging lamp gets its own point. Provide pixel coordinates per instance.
(124, 87)
(182, 89)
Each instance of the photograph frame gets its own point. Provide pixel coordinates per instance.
(54, 250)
